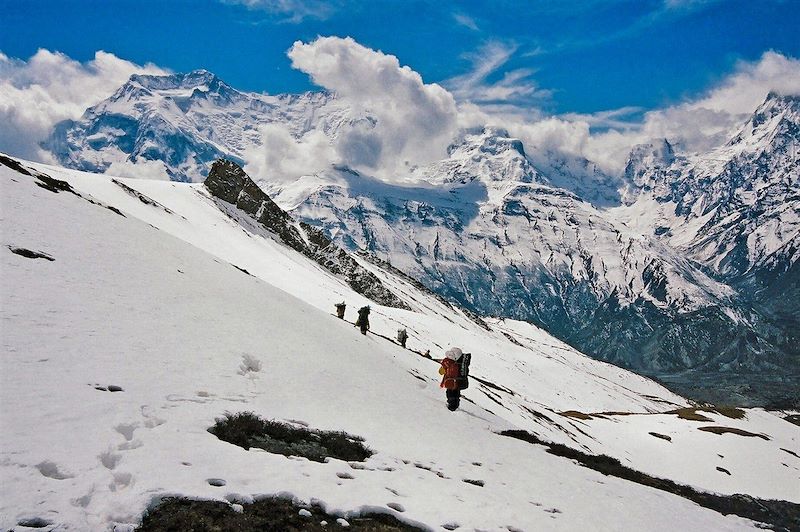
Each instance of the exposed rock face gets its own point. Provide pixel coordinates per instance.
(229, 183)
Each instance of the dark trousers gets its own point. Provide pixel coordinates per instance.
(453, 399)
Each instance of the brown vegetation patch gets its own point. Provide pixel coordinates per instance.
(575, 414)
(174, 514)
(733, 430)
(246, 430)
(729, 411)
(690, 414)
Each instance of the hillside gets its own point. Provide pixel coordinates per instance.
(137, 312)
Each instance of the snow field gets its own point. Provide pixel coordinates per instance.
(159, 311)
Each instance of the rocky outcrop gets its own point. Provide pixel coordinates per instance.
(229, 183)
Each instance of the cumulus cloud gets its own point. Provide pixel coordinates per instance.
(50, 87)
(409, 122)
(283, 157)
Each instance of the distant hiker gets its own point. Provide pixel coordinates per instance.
(455, 375)
(402, 336)
(427, 353)
(363, 319)
(340, 309)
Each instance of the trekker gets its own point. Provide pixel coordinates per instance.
(455, 375)
(402, 336)
(340, 309)
(363, 319)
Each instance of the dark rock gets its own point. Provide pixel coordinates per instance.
(229, 183)
(662, 436)
(28, 254)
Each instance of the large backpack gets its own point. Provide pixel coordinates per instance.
(452, 374)
(463, 367)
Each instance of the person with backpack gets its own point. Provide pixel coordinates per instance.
(363, 319)
(455, 375)
(402, 337)
(340, 308)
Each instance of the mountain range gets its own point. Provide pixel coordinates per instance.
(682, 268)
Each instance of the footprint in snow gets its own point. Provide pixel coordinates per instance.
(34, 522)
(216, 482)
(110, 459)
(126, 430)
(396, 506)
(346, 476)
(50, 470)
(120, 481)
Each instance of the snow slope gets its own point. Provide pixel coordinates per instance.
(148, 299)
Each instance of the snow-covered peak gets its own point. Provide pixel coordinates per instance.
(182, 123)
(188, 80)
(658, 154)
(777, 116)
(487, 154)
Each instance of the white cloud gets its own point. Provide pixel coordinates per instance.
(695, 125)
(294, 11)
(282, 157)
(413, 121)
(50, 87)
(141, 169)
(466, 21)
(515, 87)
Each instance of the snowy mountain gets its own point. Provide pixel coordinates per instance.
(153, 308)
(183, 122)
(735, 210)
(679, 282)
(487, 229)
(732, 208)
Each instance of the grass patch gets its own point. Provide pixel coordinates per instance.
(274, 514)
(246, 430)
(691, 414)
(575, 414)
(781, 515)
(729, 411)
(733, 430)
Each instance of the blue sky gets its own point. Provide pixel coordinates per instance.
(579, 56)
